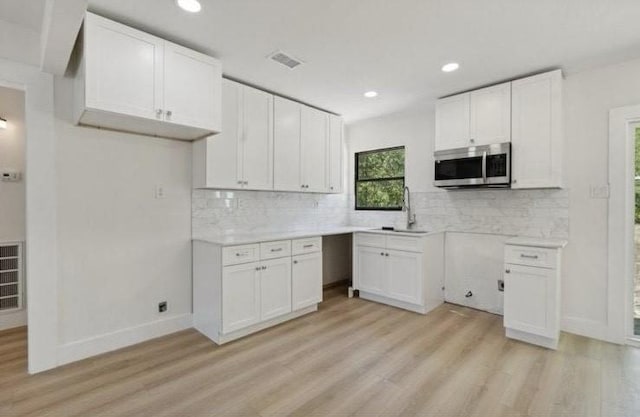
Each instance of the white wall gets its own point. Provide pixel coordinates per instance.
(12, 194)
(121, 250)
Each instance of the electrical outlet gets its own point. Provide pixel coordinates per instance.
(159, 191)
(162, 306)
(501, 285)
(599, 191)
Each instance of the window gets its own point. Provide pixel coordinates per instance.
(380, 179)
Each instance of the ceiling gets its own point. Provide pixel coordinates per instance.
(20, 27)
(393, 47)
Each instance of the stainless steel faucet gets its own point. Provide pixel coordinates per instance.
(406, 206)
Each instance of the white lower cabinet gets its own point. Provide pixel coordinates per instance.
(275, 288)
(306, 280)
(239, 290)
(411, 279)
(532, 294)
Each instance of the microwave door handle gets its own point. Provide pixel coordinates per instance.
(484, 167)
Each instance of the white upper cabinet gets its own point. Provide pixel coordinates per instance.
(287, 173)
(335, 154)
(490, 115)
(537, 139)
(452, 122)
(126, 79)
(191, 88)
(481, 117)
(241, 156)
(314, 150)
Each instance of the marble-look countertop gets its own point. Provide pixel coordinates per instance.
(247, 238)
(537, 242)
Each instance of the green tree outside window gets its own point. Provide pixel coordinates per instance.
(379, 179)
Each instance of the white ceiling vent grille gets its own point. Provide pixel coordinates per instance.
(285, 59)
(10, 276)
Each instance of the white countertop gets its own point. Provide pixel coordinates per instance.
(246, 238)
(537, 242)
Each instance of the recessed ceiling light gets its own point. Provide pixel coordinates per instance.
(371, 94)
(3, 123)
(192, 6)
(450, 67)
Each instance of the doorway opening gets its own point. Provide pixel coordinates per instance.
(13, 312)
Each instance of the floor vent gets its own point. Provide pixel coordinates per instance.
(285, 59)
(10, 276)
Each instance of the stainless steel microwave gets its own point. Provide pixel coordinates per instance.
(476, 166)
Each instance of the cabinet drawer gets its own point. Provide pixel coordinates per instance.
(233, 255)
(278, 249)
(525, 255)
(371, 239)
(309, 245)
(407, 243)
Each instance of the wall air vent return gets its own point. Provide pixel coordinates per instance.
(285, 59)
(10, 276)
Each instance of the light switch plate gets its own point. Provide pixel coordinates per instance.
(9, 175)
(599, 191)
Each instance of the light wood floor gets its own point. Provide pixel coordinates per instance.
(353, 357)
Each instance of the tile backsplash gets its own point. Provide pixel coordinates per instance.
(536, 213)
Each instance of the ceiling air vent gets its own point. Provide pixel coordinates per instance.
(285, 59)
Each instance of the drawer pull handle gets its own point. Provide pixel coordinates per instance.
(276, 250)
(308, 246)
(522, 255)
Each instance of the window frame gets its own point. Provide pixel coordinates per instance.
(356, 180)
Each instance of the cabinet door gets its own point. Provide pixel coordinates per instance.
(530, 299)
(275, 288)
(335, 154)
(314, 150)
(405, 276)
(286, 159)
(192, 83)
(306, 280)
(372, 270)
(490, 113)
(536, 143)
(240, 296)
(257, 139)
(222, 150)
(124, 69)
(452, 122)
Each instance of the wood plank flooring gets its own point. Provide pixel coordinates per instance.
(352, 358)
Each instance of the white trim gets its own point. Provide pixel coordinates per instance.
(621, 223)
(587, 328)
(85, 348)
(633, 341)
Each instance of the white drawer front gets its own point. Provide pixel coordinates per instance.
(371, 239)
(308, 245)
(233, 255)
(524, 255)
(407, 243)
(278, 249)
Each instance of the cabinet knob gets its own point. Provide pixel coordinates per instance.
(257, 268)
(508, 271)
(331, 188)
(159, 112)
(240, 182)
(245, 182)
(295, 262)
(264, 267)
(514, 181)
(472, 140)
(386, 254)
(169, 113)
(381, 253)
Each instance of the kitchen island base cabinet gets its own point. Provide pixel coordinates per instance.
(402, 271)
(239, 290)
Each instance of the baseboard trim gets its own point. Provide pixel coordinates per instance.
(86, 348)
(13, 319)
(341, 283)
(589, 328)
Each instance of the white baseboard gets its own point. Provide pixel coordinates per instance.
(85, 348)
(589, 328)
(9, 320)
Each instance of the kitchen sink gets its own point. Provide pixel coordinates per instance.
(416, 231)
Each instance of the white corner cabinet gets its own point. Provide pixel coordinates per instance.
(270, 143)
(526, 112)
(532, 272)
(241, 156)
(480, 117)
(129, 80)
(402, 271)
(242, 289)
